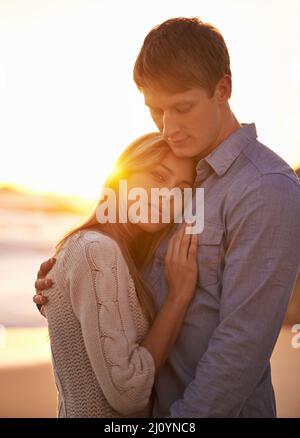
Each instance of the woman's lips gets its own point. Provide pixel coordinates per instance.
(154, 208)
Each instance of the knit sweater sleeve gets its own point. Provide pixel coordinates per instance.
(98, 281)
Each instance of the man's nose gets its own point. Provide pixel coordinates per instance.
(169, 126)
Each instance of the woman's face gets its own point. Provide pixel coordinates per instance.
(171, 172)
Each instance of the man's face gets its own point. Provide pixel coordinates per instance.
(190, 121)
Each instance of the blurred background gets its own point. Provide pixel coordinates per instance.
(68, 106)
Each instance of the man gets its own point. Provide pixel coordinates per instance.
(248, 252)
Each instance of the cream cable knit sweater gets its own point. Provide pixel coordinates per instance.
(96, 325)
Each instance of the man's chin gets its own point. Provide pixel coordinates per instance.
(184, 152)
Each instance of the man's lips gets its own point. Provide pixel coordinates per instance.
(178, 141)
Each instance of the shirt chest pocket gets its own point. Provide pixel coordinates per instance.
(209, 254)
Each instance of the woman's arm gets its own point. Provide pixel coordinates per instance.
(181, 272)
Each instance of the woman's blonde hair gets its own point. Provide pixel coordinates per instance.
(141, 155)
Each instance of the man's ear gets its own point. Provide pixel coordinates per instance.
(223, 89)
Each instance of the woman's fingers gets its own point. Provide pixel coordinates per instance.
(178, 241)
(170, 250)
(192, 251)
(182, 246)
(185, 245)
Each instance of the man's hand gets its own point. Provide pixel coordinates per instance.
(42, 283)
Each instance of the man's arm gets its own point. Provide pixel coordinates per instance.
(261, 263)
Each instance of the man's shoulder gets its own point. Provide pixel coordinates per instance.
(265, 161)
(259, 170)
(261, 176)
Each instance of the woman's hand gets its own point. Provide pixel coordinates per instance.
(181, 272)
(181, 266)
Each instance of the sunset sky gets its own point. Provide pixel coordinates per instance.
(68, 104)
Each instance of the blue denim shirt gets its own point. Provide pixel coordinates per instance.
(248, 259)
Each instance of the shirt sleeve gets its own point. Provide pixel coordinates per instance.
(260, 267)
(98, 283)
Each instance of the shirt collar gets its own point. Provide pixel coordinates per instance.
(221, 158)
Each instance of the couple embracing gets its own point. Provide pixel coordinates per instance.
(147, 318)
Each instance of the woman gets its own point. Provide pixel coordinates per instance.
(107, 344)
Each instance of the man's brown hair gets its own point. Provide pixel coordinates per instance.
(182, 53)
